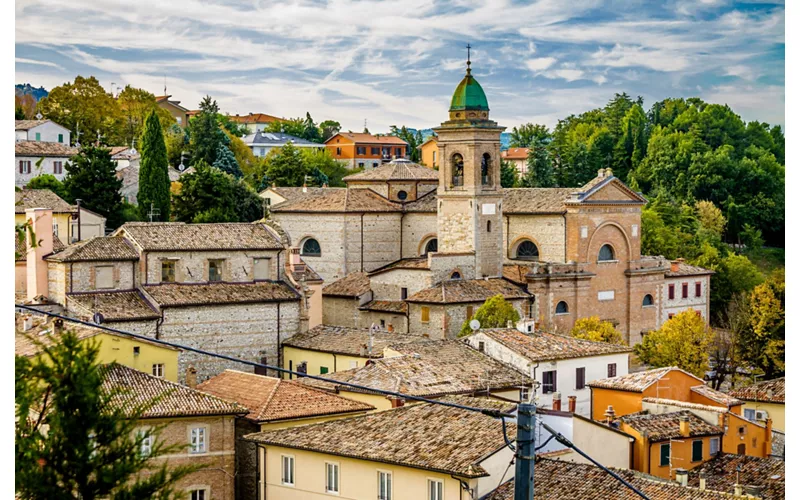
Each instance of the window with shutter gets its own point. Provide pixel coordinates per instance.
(425, 314)
(104, 277)
(549, 382)
(664, 455)
(671, 292)
(698, 289)
(685, 290)
(612, 369)
(697, 450)
(580, 378)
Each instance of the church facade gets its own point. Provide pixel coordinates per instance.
(412, 249)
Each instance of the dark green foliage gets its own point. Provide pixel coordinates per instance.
(292, 126)
(529, 135)
(329, 128)
(19, 112)
(91, 447)
(227, 162)
(310, 130)
(412, 138)
(205, 132)
(324, 162)
(153, 175)
(234, 128)
(508, 174)
(540, 169)
(48, 181)
(210, 195)
(91, 177)
(285, 166)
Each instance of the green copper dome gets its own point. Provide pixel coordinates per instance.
(469, 96)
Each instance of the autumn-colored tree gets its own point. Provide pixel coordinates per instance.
(763, 343)
(596, 330)
(494, 313)
(84, 106)
(710, 217)
(135, 106)
(682, 341)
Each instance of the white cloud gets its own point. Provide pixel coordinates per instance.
(628, 56)
(540, 63)
(742, 71)
(569, 75)
(22, 60)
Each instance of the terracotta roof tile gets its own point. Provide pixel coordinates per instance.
(685, 404)
(152, 236)
(340, 201)
(714, 395)
(352, 285)
(723, 471)
(360, 138)
(425, 203)
(535, 200)
(21, 247)
(515, 154)
(39, 148)
(28, 124)
(40, 198)
(768, 391)
(399, 169)
(459, 291)
(409, 263)
(271, 399)
(132, 388)
(516, 273)
(115, 306)
(101, 248)
(297, 193)
(637, 381)
(349, 341)
(424, 436)
(392, 306)
(558, 480)
(685, 269)
(196, 294)
(544, 346)
(254, 118)
(664, 426)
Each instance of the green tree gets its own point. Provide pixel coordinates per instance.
(529, 135)
(72, 437)
(710, 218)
(592, 328)
(232, 127)
(205, 132)
(751, 238)
(411, 137)
(205, 195)
(285, 166)
(19, 112)
(91, 177)
(733, 275)
(153, 171)
(329, 128)
(540, 169)
(310, 130)
(634, 140)
(136, 105)
(292, 126)
(48, 181)
(494, 313)
(508, 174)
(244, 156)
(682, 341)
(763, 344)
(321, 160)
(176, 142)
(226, 162)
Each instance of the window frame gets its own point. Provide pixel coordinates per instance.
(337, 478)
(694, 450)
(382, 473)
(202, 437)
(566, 308)
(671, 291)
(218, 265)
(58, 167)
(287, 459)
(661, 455)
(610, 249)
(685, 290)
(714, 442)
(549, 387)
(105, 269)
(203, 490)
(611, 370)
(425, 248)
(147, 443)
(424, 314)
(61, 138)
(698, 288)
(173, 263)
(532, 258)
(304, 253)
(652, 300)
(580, 378)
(439, 485)
(157, 370)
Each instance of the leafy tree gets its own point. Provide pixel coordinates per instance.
(540, 169)
(751, 237)
(292, 126)
(529, 135)
(48, 181)
(73, 439)
(285, 166)
(25, 107)
(592, 328)
(136, 105)
(205, 132)
(227, 162)
(19, 113)
(91, 177)
(244, 156)
(763, 344)
(634, 140)
(205, 195)
(85, 105)
(310, 130)
(329, 128)
(322, 161)
(682, 341)
(734, 274)
(232, 127)
(153, 174)
(494, 313)
(508, 174)
(710, 218)
(411, 137)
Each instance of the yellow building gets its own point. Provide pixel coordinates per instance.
(429, 153)
(142, 355)
(388, 455)
(65, 216)
(764, 400)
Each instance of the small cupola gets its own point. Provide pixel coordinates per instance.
(469, 101)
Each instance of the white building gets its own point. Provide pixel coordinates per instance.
(261, 143)
(41, 130)
(685, 287)
(562, 366)
(53, 156)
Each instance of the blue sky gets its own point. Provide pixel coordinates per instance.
(398, 62)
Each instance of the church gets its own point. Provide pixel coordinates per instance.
(417, 250)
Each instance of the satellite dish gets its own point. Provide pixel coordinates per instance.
(97, 318)
(474, 325)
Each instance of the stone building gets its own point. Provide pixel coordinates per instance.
(229, 288)
(560, 254)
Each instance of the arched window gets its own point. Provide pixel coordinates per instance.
(431, 246)
(311, 248)
(486, 170)
(606, 253)
(647, 300)
(488, 226)
(455, 276)
(562, 308)
(527, 250)
(458, 170)
(402, 195)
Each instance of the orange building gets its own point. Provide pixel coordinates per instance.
(517, 157)
(365, 150)
(429, 152)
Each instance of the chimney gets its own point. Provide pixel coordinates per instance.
(557, 401)
(601, 173)
(571, 403)
(509, 324)
(737, 489)
(27, 323)
(768, 440)
(683, 421)
(58, 326)
(324, 185)
(675, 265)
(702, 481)
(305, 188)
(390, 328)
(296, 264)
(191, 377)
(41, 221)
(397, 402)
(609, 414)
(682, 476)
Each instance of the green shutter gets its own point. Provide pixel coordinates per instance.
(697, 450)
(323, 370)
(664, 455)
(60, 137)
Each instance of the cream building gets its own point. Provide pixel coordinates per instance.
(764, 400)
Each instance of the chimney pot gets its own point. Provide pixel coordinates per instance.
(398, 402)
(601, 173)
(58, 326)
(557, 401)
(702, 481)
(737, 490)
(683, 421)
(609, 414)
(509, 324)
(390, 328)
(682, 476)
(191, 377)
(571, 401)
(27, 323)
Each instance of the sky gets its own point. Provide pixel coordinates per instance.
(398, 62)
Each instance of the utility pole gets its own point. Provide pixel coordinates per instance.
(526, 444)
(78, 203)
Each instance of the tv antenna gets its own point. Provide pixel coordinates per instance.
(154, 212)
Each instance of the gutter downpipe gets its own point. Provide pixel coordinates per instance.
(362, 242)
(564, 215)
(278, 344)
(334, 362)
(508, 237)
(464, 486)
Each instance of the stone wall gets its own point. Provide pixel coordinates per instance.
(679, 304)
(545, 231)
(456, 226)
(371, 241)
(388, 285)
(246, 461)
(397, 322)
(192, 267)
(417, 229)
(84, 275)
(57, 281)
(340, 311)
(329, 231)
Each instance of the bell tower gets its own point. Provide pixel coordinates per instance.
(470, 197)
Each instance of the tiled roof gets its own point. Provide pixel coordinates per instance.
(544, 346)
(638, 381)
(458, 291)
(271, 399)
(717, 396)
(276, 139)
(339, 201)
(398, 169)
(685, 269)
(664, 426)
(515, 273)
(535, 200)
(684, 404)
(115, 306)
(296, 193)
(352, 285)
(768, 391)
(26, 343)
(391, 306)
(165, 236)
(40, 198)
(778, 443)
(559, 480)
(101, 248)
(191, 294)
(39, 148)
(432, 368)
(360, 138)
(723, 471)
(132, 388)
(28, 124)
(425, 203)
(582, 194)
(254, 118)
(307, 274)
(410, 263)
(424, 436)
(349, 341)
(21, 247)
(515, 154)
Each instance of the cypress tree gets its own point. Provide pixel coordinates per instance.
(153, 175)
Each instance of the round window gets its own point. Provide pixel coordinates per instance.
(402, 195)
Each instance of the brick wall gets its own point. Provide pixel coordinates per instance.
(340, 311)
(545, 231)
